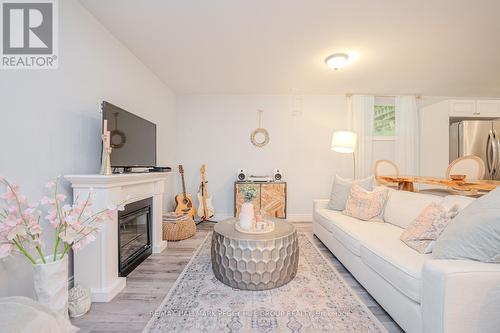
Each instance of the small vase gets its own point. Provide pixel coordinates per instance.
(247, 216)
(51, 289)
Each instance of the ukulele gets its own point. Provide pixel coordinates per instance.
(205, 208)
(183, 201)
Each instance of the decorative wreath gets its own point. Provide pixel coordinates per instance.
(253, 137)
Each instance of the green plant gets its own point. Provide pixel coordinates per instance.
(249, 192)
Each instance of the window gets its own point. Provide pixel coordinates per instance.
(384, 118)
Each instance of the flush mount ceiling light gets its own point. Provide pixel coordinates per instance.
(337, 60)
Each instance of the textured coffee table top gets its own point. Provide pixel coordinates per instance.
(281, 229)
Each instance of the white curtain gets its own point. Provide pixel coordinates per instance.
(361, 108)
(407, 135)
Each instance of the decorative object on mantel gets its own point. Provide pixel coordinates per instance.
(247, 213)
(20, 231)
(177, 227)
(106, 150)
(79, 301)
(260, 136)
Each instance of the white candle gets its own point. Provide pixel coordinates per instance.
(108, 139)
(105, 127)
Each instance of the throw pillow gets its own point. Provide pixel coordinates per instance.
(426, 228)
(342, 187)
(366, 205)
(474, 233)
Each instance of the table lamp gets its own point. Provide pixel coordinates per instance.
(345, 142)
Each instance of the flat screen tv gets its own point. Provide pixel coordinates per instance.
(133, 139)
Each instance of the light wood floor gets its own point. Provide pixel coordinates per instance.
(149, 283)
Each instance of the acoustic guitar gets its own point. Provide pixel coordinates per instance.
(184, 201)
(205, 208)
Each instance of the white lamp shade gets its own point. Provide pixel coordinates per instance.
(344, 141)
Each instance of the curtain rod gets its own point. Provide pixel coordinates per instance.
(382, 95)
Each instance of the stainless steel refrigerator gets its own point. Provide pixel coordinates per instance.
(480, 138)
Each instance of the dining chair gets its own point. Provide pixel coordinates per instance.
(385, 168)
(471, 166)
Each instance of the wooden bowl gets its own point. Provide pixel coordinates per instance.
(458, 177)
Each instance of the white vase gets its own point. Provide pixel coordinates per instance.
(51, 289)
(247, 216)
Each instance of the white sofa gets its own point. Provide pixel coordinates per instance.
(420, 293)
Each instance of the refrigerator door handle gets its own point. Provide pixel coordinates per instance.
(489, 154)
(496, 160)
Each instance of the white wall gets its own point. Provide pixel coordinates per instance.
(215, 129)
(50, 123)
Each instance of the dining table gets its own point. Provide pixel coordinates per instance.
(406, 183)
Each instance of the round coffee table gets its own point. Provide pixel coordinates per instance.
(255, 261)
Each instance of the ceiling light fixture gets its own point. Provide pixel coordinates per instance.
(337, 60)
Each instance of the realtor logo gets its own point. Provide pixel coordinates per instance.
(29, 34)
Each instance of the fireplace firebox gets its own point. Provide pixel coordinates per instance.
(134, 235)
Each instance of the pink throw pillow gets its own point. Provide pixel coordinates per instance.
(421, 234)
(366, 205)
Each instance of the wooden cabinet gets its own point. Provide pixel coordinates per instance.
(487, 108)
(271, 198)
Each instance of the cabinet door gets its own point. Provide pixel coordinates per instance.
(238, 198)
(273, 199)
(488, 108)
(463, 108)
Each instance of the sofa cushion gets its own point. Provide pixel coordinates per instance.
(474, 233)
(422, 233)
(366, 205)
(452, 200)
(397, 263)
(351, 232)
(341, 188)
(403, 207)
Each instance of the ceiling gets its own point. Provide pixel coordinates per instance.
(441, 48)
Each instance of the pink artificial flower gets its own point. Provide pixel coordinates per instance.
(47, 201)
(60, 197)
(8, 195)
(14, 209)
(35, 229)
(22, 199)
(52, 218)
(5, 250)
(12, 220)
(17, 231)
(29, 211)
(66, 208)
(68, 235)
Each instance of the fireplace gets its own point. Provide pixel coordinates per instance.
(134, 235)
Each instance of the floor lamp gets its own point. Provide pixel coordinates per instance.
(345, 142)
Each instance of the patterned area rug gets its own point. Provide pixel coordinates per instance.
(317, 300)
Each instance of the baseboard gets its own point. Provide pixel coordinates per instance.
(290, 217)
(299, 218)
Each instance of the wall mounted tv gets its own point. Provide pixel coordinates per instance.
(133, 139)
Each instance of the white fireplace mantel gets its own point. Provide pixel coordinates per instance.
(96, 265)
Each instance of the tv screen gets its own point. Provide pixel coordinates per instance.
(133, 139)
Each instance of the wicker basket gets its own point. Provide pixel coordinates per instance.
(179, 230)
